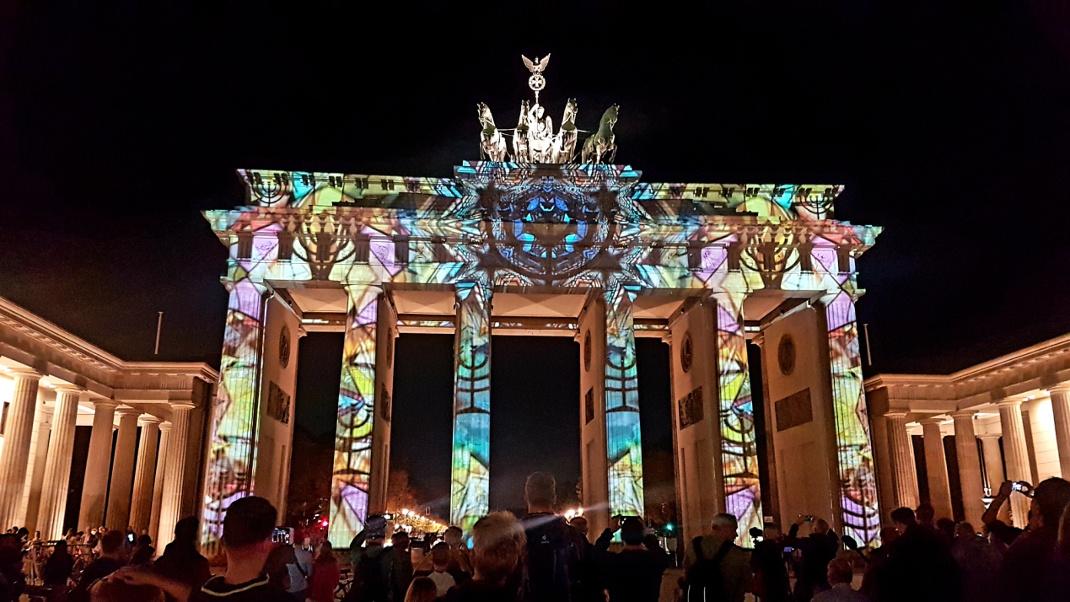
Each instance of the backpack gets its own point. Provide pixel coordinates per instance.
(549, 558)
(703, 581)
(369, 580)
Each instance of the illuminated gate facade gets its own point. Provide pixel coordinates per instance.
(548, 227)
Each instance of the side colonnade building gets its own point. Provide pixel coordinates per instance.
(953, 439)
(146, 422)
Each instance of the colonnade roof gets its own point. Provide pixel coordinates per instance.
(28, 341)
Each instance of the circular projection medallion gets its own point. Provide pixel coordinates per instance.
(687, 352)
(785, 354)
(587, 352)
(284, 347)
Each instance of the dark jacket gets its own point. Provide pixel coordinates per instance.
(551, 556)
(631, 575)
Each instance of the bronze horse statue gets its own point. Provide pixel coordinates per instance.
(601, 147)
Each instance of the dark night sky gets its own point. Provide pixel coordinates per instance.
(949, 124)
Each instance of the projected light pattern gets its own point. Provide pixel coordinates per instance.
(470, 484)
(624, 445)
(356, 412)
(504, 225)
(739, 451)
(854, 449)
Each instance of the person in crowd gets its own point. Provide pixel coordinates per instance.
(551, 554)
(460, 561)
(926, 516)
(143, 551)
(918, 567)
(180, 559)
(325, 574)
(767, 562)
(422, 589)
(113, 590)
(945, 527)
(247, 529)
(978, 563)
(399, 564)
(110, 560)
(839, 575)
(499, 543)
(1028, 561)
(716, 568)
(440, 563)
(1000, 533)
(586, 585)
(371, 572)
(634, 573)
(58, 566)
(12, 580)
(812, 555)
(1058, 583)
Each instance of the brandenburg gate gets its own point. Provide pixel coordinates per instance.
(545, 234)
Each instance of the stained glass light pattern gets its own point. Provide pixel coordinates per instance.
(858, 479)
(624, 444)
(470, 485)
(356, 411)
(739, 452)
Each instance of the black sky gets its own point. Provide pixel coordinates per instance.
(949, 123)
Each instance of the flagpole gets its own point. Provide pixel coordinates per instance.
(159, 327)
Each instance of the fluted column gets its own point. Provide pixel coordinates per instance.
(122, 470)
(1017, 456)
(1060, 411)
(145, 473)
(157, 487)
(175, 468)
(936, 467)
(58, 463)
(969, 466)
(906, 475)
(35, 469)
(97, 464)
(16, 449)
(994, 468)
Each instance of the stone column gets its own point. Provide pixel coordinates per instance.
(157, 487)
(145, 473)
(35, 470)
(122, 470)
(470, 490)
(994, 468)
(1017, 456)
(58, 463)
(903, 469)
(175, 468)
(1060, 411)
(16, 450)
(936, 467)
(969, 466)
(97, 466)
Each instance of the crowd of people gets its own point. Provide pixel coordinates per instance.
(542, 557)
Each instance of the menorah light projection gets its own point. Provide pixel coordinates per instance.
(505, 227)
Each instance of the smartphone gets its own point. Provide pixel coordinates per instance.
(788, 549)
(130, 537)
(1023, 488)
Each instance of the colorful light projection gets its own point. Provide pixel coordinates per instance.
(739, 451)
(356, 412)
(470, 485)
(624, 445)
(854, 450)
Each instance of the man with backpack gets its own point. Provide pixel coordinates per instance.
(717, 570)
(551, 554)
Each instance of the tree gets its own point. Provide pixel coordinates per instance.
(400, 493)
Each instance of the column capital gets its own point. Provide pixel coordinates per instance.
(1010, 403)
(70, 389)
(27, 372)
(104, 403)
(989, 435)
(182, 405)
(148, 419)
(933, 420)
(1063, 387)
(966, 414)
(896, 414)
(165, 425)
(124, 411)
